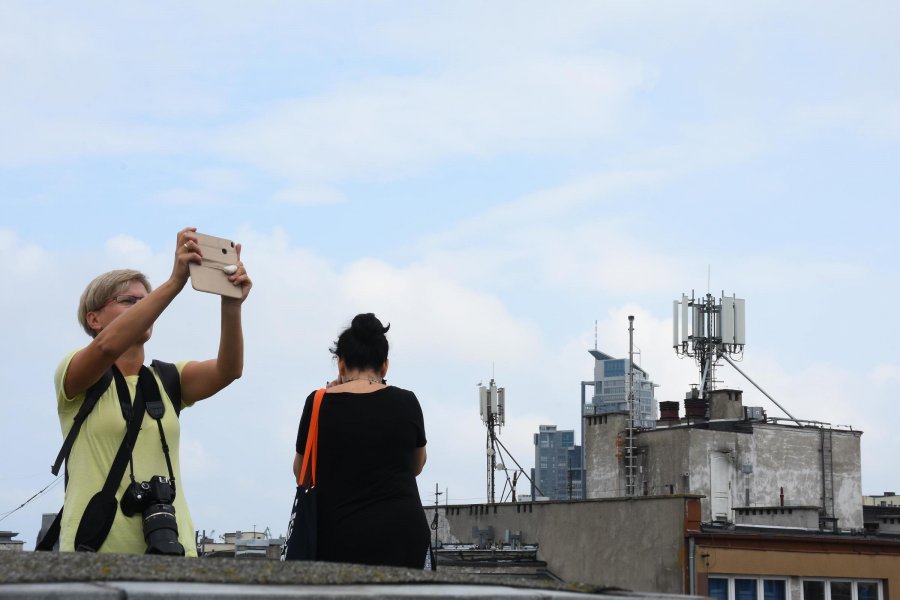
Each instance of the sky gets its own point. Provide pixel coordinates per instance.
(503, 183)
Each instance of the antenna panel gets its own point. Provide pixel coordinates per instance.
(483, 398)
(685, 324)
(740, 337)
(699, 329)
(675, 341)
(726, 321)
(500, 405)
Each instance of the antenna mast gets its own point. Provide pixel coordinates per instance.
(493, 415)
(493, 401)
(630, 442)
(711, 328)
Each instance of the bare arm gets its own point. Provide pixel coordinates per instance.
(202, 379)
(298, 462)
(419, 458)
(132, 327)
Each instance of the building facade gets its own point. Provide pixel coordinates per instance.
(728, 503)
(735, 458)
(659, 544)
(557, 464)
(611, 390)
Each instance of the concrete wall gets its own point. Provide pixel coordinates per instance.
(637, 543)
(804, 517)
(791, 458)
(603, 444)
(764, 460)
(726, 404)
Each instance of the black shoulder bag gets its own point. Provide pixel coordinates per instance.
(301, 540)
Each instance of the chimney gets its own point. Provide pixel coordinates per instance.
(668, 411)
(694, 405)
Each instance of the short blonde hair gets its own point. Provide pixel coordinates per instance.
(99, 291)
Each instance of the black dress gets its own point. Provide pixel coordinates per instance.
(369, 509)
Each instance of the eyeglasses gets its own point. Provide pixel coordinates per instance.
(124, 299)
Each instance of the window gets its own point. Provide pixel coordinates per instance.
(841, 589)
(747, 588)
(867, 590)
(612, 368)
(774, 589)
(813, 590)
(718, 588)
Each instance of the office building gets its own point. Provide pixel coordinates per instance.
(611, 390)
(557, 464)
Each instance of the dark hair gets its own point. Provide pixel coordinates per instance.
(363, 345)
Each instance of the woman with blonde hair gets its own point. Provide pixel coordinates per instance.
(118, 310)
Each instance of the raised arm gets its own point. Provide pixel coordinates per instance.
(123, 328)
(202, 379)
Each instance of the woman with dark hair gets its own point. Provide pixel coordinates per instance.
(371, 447)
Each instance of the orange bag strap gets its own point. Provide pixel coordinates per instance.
(312, 440)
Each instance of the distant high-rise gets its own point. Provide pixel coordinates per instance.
(611, 390)
(557, 464)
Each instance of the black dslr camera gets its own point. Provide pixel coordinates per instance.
(153, 499)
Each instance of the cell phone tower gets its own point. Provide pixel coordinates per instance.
(493, 407)
(709, 328)
(493, 414)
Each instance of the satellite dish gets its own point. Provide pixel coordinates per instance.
(500, 466)
(490, 451)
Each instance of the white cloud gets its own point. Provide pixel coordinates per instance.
(631, 107)
(310, 195)
(885, 374)
(129, 250)
(877, 117)
(20, 256)
(436, 315)
(189, 197)
(383, 128)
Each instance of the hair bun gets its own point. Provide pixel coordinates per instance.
(367, 326)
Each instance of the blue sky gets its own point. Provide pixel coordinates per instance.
(492, 180)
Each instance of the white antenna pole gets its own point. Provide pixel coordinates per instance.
(630, 449)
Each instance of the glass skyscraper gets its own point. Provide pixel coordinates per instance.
(557, 464)
(611, 390)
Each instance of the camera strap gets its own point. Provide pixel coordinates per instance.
(168, 375)
(100, 511)
(155, 408)
(170, 378)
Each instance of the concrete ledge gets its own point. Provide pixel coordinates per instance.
(157, 590)
(78, 575)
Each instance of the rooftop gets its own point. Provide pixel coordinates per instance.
(82, 575)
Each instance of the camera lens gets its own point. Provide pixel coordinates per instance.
(161, 530)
